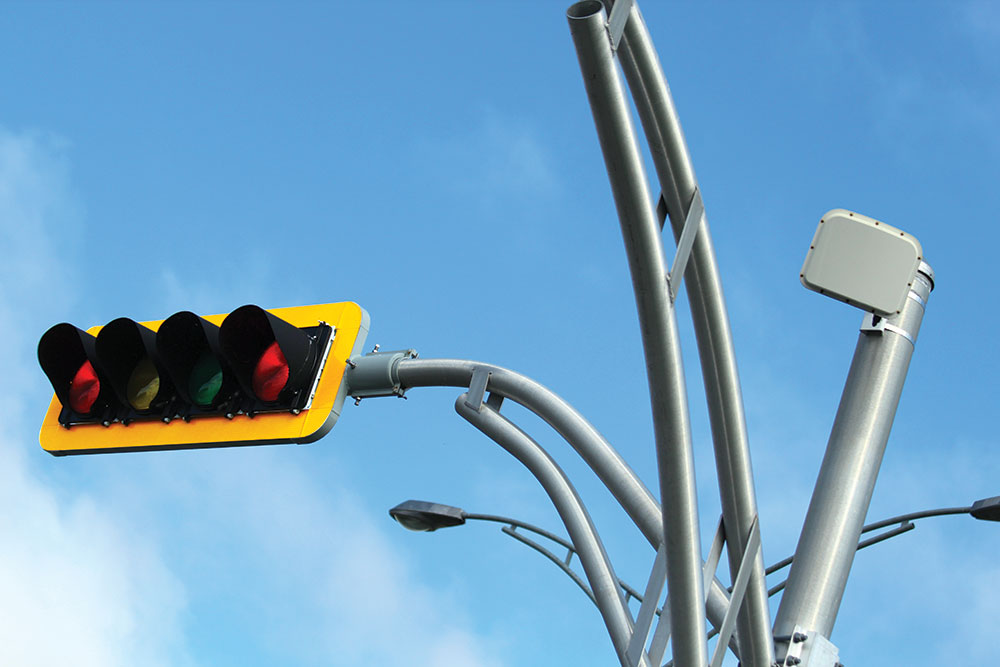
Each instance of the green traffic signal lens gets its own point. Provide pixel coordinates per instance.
(205, 380)
(143, 384)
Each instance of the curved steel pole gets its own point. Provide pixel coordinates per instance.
(593, 558)
(596, 451)
(624, 484)
(658, 326)
(678, 184)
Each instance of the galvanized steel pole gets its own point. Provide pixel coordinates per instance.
(607, 464)
(596, 565)
(657, 323)
(678, 184)
(826, 548)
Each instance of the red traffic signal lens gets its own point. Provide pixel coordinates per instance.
(84, 389)
(270, 374)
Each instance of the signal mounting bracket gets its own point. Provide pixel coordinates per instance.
(376, 374)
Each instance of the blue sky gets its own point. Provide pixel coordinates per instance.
(438, 165)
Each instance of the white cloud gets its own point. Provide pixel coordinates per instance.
(78, 586)
(390, 618)
(331, 587)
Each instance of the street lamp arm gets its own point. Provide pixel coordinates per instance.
(902, 519)
(517, 523)
(560, 563)
(563, 564)
(913, 516)
(905, 526)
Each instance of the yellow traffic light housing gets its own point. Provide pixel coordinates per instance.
(252, 377)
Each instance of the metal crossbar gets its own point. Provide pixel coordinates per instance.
(692, 223)
(739, 590)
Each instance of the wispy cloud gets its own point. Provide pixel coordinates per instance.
(981, 21)
(897, 98)
(223, 287)
(499, 155)
(78, 586)
(39, 224)
(315, 552)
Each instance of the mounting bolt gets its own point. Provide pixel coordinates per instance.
(792, 660)
(799, 637)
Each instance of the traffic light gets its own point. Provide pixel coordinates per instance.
(251, 377)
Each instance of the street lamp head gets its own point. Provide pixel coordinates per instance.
(987, 509)
(426, 517)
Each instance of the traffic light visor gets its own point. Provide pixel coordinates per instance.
(127, 352)
(68, 356)
(188, 346)
(273, 360)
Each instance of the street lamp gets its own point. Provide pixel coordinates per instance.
(423, 517)
(987, 509)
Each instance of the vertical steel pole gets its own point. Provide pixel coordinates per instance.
(826, 548)
(657, 323)
(711, 324)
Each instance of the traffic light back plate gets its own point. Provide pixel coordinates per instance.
(350, 323)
